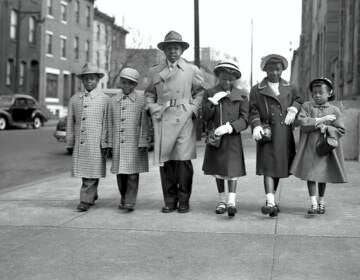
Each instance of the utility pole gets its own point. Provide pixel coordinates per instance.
(252, 53)
(196, 33)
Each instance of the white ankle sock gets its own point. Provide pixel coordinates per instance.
(222, 197)
(321, 200)
(270, 198)
(231, 198)
(313, 200)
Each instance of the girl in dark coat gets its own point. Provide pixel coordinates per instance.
(225, 109)
(276, 102)
(316, 117)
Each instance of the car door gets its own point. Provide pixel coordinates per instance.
(19, 110)
(31, 107)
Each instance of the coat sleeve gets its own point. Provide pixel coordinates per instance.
(150, 91)
(304, 120)
(297, 100)
(197, 91)
(254, 113)
(242, 122)
(208, 108)
(70, 125)
(110, 124)
(144, 130)
(105, 136)
(336, 128)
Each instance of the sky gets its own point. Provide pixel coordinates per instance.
(224, 26)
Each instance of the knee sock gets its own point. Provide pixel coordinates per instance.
(321, 200)
(222, 197)
(313, 200)
(231, 198)
(270, 199)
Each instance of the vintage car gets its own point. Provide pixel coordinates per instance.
(19, 110)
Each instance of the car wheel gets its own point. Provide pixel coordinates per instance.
(69, 151)
(36, 123)
(3, 123)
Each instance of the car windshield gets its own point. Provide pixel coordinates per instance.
(6, 100)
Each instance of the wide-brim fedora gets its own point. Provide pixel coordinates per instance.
(229, 65)
(173, 37)
(89, 68)
(273, 58)
(130, 74)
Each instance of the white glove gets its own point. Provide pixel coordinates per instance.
(224, 129)
(323, 119)
(290, 116)
(258, 132)
(217, 96)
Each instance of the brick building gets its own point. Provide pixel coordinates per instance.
(330, 46)
(19, 47)
(102, 43)
(66, 45)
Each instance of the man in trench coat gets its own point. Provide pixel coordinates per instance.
(86, 133)
(174, 96)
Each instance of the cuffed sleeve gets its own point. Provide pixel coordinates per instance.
(254, 114)
(242, 122)
(70, 126)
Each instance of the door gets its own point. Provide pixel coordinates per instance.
(31, 107)
(19, 110)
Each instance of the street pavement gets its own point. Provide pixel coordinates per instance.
(43, 237)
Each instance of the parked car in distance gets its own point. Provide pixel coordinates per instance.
(20, 110)
(60, 133)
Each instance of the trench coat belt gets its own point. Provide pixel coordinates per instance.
(173, 103)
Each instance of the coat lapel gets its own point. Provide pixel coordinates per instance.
(264, 89)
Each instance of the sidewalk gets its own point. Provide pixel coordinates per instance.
(43, 237)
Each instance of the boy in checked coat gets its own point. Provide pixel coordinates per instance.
(174, 95)
(128, 132)
(86, 134)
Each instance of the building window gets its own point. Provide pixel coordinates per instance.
(22, 74)
(49, 43)
(51, 85)
(76, 47)
(98, 32)
(97, 58)
(77, 11)
(49, 4)
(13, 24)
(9, 71)
(32, 30)
(87, 50)
(63, 12)
(88, 16)
(63, 46)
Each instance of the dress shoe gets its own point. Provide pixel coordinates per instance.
(168, 209)
(183, 207)
(231, 210)
(83, 206)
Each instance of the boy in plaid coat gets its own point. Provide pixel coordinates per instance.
(128, 137)
(86, 134)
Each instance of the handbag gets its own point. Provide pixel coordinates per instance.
(212, 139)
(267, 136)
(325, 144)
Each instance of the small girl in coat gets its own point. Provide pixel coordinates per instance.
(128, 138)
(316, 117)
(225, 109)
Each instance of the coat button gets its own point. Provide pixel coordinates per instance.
(124, 97)
(123, 108)
(122, 119)
(280, 115)
(122, 130)
(83, 130)
(83, 118)
(85, 106)
(82, 142)
(122, 141)
(281, 123)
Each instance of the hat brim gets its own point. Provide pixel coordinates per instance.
(266, 59)
(183, 44)
(129, 78)
(227, 65)
(80, 76)
(311, 85)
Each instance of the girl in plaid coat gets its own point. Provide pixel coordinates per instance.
(128, 131)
